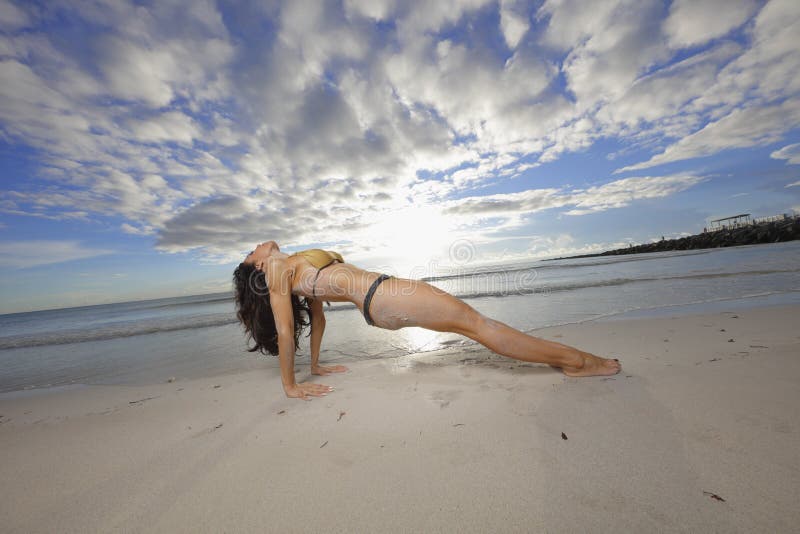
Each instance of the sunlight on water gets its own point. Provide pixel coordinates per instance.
(420, 340)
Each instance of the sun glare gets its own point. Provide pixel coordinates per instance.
(415, 237)
(420, 340)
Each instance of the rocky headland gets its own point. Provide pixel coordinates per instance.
(787, 229)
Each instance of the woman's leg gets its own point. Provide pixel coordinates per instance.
(414, 303)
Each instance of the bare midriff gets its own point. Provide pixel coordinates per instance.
(339, 282)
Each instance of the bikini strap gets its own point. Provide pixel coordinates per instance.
(370, 294)
(314, 285)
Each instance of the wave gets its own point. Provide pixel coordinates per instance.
(624, 258)
(210, 300)
(128, 329)
(492, 270)
(477, 272)
(548, 288)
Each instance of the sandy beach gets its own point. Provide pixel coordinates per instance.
(699, 433)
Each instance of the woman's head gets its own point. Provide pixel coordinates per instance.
(255, 313)
(259, 255)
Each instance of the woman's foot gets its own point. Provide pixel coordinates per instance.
(594, 366)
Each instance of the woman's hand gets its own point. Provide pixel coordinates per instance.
(322, 371)
(306, 389)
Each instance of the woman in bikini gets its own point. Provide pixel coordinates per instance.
(269, 284)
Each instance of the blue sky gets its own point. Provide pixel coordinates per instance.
(146, 146)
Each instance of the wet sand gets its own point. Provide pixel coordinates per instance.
(700, 432)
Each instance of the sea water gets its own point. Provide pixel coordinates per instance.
(185, 337)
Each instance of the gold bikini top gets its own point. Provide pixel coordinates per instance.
(320, 259)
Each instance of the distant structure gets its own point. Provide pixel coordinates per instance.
(734, 221)
(772, 218)
(742, 220)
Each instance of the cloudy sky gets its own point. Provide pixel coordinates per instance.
(146, 146)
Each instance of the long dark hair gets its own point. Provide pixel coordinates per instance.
(254, 311)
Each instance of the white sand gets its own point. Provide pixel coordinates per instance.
(459, 441)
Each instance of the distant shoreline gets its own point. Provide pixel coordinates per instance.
(787, 229)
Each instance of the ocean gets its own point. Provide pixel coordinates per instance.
(187, 337)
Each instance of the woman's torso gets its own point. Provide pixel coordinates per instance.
(336, 281)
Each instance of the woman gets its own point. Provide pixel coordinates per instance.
(269, 284)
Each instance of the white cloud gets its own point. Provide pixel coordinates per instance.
(791, 153)
(169, 126)
(422, 16)
(570, 23)
(137, 73)
(156, 76)
(133, 230)
(753, 126)
(20, 254)
(12, 18)
(30, 109)
(529, 201)
(661, 101)
(766, 70)
(609, 45)
(615, 194)
(476, 96)
(793, 184)
(692, 23)
(375, 9)
(513, 22)
(748, 100)
(620, 193)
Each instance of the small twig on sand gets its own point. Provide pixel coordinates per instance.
(142, 400)
(714, 496)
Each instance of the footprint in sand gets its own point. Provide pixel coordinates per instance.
(444, 398)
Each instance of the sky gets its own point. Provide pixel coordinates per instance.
(146, 147)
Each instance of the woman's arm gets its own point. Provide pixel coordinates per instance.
(279, 282)
(317, 329)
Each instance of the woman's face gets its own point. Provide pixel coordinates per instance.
(262, 252)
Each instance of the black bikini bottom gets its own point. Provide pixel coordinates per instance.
(370, 294)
